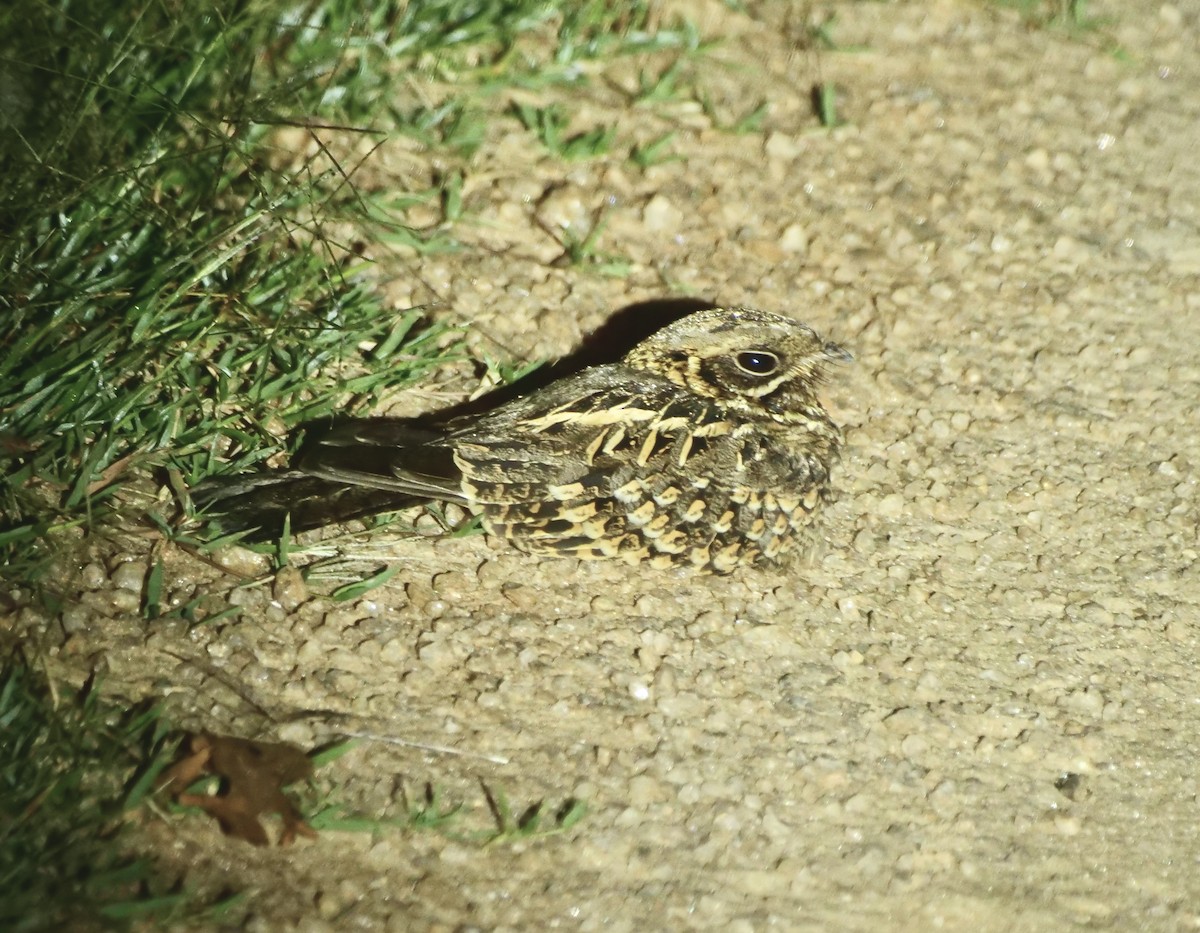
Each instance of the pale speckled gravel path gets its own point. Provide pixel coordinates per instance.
(975, 707)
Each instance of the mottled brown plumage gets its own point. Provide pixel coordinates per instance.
(706, 445)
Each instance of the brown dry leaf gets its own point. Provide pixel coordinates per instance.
(253, 777)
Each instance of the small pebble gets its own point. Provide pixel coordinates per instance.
(130, 575)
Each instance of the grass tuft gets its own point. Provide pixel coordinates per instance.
(168, 298)
(1071, 15)
(72, 769)
(430, 812)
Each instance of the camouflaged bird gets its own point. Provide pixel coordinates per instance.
(706, 445)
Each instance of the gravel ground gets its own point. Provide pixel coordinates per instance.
(972, 706)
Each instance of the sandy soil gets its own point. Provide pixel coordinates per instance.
(974, 706)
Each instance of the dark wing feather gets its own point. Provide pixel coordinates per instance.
(589, 436)
(388, 455)
(359, 469)
(586, 425)
(258, 505)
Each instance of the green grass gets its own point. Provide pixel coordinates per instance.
(168, 302)
(430, 812)
(71, 771)
(654, 152)
(319, 801)
(549, 125)
(580, 248)
(1072, 15)
(824, 101)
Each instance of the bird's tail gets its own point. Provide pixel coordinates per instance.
(259, 504)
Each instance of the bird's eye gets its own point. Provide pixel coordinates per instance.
(757, 362)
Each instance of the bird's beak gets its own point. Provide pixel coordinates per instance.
(837, 354)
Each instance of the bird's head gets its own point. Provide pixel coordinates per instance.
(748, 360)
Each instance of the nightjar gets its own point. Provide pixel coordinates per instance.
(706, 445)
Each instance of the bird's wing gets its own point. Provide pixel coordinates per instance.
(543, 430)
(588, 431)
